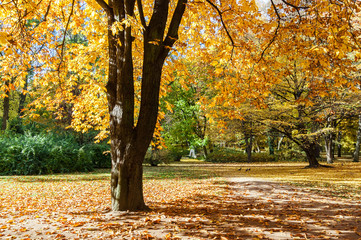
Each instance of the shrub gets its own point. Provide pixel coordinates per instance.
(225, 155)
(292, 155)
(42, 153)
(99, 153)
(176, 153)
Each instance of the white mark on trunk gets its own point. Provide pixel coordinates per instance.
(117, 113)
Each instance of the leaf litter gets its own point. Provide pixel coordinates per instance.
(74, 207)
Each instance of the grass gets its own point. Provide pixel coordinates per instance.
(343, 180)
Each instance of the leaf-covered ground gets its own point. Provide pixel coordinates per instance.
(189, 201)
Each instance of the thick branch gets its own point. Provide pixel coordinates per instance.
(172, 35)
(105, 6)
(141, 13)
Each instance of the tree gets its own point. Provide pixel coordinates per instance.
(129, 142)
(185, 121)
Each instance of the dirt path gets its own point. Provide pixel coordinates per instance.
(280, 211)
(236, 208)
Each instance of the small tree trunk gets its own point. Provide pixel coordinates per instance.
(339, 146)
(6, 109)
(329, 148)
(249, 144)
(257, 147)
(358, 141)
(271, 142)
(205, 151)
(23, 94)
(279, 143)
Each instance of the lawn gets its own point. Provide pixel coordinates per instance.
(342, 179)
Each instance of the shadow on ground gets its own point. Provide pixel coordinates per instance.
(254, 209)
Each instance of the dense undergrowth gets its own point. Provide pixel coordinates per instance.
(30, 150)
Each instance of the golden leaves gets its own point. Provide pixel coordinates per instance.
(3, 38)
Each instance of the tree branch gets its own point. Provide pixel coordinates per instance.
(223, 24)
(141, 13)
(294, 6)
(105, 6)
(275, 34)
(65, 30)
(172, 35)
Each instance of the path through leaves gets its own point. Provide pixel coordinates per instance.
(77, 207)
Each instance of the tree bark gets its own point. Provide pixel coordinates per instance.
(23, 94)
(329, 148)
(129, 142)
(311, 149)
(339, 146)
(279, 142)
(6, 109)
(249, 144)
(271, 142)
(358, 141)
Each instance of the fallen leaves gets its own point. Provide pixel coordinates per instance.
(77, 207)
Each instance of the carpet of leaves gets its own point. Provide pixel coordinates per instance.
(77, 207)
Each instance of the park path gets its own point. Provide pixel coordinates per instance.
(286, 212)
(253, 208)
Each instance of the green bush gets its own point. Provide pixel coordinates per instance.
(176, 153)
(291, 155)
(99, 153)
(225, 155)
(155, 157)
(44, 153)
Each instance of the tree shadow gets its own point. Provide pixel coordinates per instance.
(263, 210)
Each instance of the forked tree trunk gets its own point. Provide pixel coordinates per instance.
(129, 142)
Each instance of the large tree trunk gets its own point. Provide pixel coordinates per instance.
(129, 142)
(311, 149)
(358, 141)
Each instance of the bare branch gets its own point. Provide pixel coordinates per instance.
(294, 6)
(275, 34)
(223, 24)
(65, 31)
